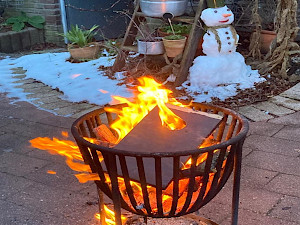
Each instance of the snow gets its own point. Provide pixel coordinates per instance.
(78, 81)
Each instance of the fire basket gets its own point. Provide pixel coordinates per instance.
(165, 183)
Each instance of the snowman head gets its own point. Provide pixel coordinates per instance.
(217, 16)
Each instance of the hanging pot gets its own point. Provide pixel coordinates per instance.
(157, 8)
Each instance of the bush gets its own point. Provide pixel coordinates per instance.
(19, 22)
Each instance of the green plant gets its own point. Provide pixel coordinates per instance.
(178, 29)
(19, 22)
(174, 37)
(80, 37)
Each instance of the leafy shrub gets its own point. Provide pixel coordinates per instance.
(178, 29)
(77, 36)
(19, 22)
(174, 37)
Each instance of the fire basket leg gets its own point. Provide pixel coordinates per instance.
(101, 206)
(236, 183)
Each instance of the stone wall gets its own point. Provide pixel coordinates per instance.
(49, 9)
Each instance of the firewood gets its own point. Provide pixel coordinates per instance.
(104, 134)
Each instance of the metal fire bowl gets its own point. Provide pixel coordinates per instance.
(230, 135)
(157, 8)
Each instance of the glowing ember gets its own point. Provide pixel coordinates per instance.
(150, 94)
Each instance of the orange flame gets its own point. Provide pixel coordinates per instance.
(110, 216)
(150, 94)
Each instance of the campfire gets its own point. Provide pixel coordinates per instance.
(154, 156)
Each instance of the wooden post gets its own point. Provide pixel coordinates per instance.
(191, 46)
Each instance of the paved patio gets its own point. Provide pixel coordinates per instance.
(270, 189)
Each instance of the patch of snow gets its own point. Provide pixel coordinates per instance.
(78, 81)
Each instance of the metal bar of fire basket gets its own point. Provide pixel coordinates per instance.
(142, 176)
(101, 207)
(236, 182)
(115, 188)
(176, 170)
(158, 178)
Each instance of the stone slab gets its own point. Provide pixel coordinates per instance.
(273, 162)
(43, 94)
(288, 208)
(64, 178)
(286, 102)
(248, 217)
(74, 108)
(11, 184)
(63, 206)
(293, 93)
(263, 128)
(56, 105)
(254, 114)
(31, 86)
(292, 120)
(289, 133)
(255, 177)
(272, 144)
(273, 108)
(22, 164)
(32, 129)
(24, 81)
(285, 184)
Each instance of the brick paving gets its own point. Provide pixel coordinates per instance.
(29, 195)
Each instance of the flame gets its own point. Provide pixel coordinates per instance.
(51, 172)
(70, 151)
(103, 91)
(110, 216)
(150, 94)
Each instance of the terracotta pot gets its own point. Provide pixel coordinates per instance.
(266, 39)
(199, 46)
(88, 52)
(174, 47)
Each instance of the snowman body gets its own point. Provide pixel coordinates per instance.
(222, 64)
(227, 44)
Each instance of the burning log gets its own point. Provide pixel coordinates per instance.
(105, 135)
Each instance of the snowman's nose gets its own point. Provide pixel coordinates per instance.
(227, 15)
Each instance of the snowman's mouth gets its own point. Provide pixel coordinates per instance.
(224, 21)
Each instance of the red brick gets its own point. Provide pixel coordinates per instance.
(51, 6)
(49, 1)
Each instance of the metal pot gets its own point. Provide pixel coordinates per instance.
(151, 47)
(157, 8)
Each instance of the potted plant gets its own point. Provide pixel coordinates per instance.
(82, 45)
(174, 44)
(180, 29)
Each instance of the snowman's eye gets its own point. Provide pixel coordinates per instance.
(228, 10)
(215, 11)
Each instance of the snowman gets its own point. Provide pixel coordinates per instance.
(221, 64)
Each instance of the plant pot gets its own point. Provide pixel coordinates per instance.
(151, 47)
(174, 47)
(199, 46)
(266, 39)
(89, 52)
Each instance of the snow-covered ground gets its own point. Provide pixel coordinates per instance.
(85, 82)
(78, 81)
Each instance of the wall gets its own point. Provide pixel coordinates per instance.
(298, 15)
(49, 9)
